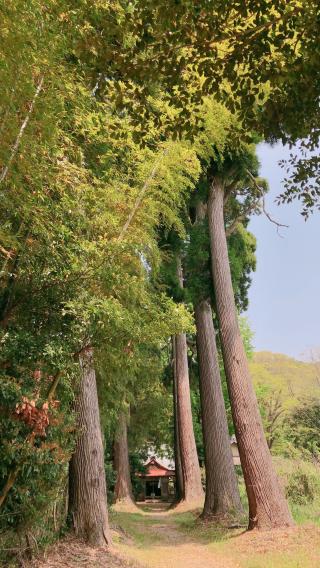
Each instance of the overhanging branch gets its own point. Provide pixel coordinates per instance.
(263, 203)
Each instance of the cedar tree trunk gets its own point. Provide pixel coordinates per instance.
(87, 481)
(123, 489)
(191, 476)
(267, 505)
(177, 457)
(192, 485)
(222, 498)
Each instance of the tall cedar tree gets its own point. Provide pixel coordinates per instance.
(177, 452)
(87, 481)
(267, 505)
(222, 498)
(123, 489)
(191, 477)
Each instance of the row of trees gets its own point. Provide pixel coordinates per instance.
(123, 183)
(222, 187)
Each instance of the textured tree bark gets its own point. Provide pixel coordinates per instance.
(267, 505)
(177, 456)
(87, 482)
(191, 476)
(123, 489)
(222, 499)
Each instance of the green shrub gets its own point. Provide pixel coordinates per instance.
(304, 484)
(301, 480)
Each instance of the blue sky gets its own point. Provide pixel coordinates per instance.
(284, 298)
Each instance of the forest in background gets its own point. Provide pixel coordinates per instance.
(128, 174)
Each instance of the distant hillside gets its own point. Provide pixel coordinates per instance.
(295, 379)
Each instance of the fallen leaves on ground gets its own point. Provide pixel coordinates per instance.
(73, 553)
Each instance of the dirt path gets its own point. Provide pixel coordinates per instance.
(162, 544)
(160, 539)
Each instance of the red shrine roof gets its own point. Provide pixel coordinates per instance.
(156, 469)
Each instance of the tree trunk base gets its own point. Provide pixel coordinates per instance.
(99, 539)
(188, 505)
(230, 520)
(281, 523)
(125, 506)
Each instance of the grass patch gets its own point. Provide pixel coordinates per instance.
(185, 520)
(204, 532)
(304, 514)
(279, 560)
(135, 526)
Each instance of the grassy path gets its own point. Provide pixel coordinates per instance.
(167, 539)
(152, 537)
(159, 542)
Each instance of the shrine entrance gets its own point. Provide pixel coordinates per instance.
(153, 488)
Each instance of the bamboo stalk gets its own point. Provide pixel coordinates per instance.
(16, 145)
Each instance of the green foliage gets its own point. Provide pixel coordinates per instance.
(303, 486)
(79, 217)
(261, 60)
(287, 395)
(295, 379)
(198, 270)
(300, 479)
(247, 336)
(302, 176)
(274, 414)
(137, 461)
(110, 473)
(242, 247)
(304, 425)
